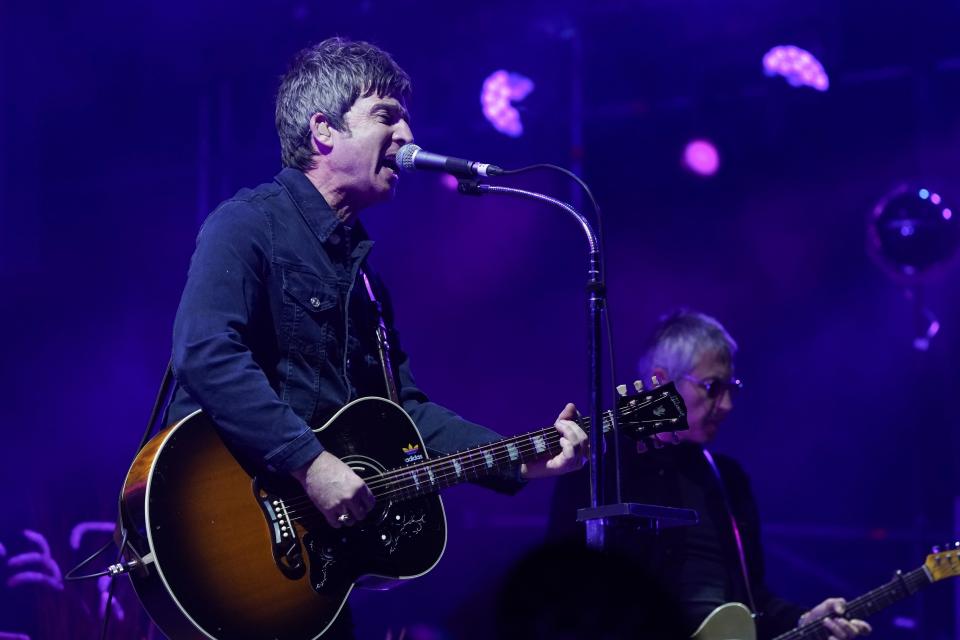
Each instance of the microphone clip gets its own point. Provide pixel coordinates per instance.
(470, 186)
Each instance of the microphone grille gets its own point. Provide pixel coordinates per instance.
(405, 156)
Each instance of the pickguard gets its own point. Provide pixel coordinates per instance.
(335, 553)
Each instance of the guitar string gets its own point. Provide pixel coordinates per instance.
(586, 420)
(473, 459)
(470, 463)
(410, 488)
(887, 591)
(511, 440)
(403, 473)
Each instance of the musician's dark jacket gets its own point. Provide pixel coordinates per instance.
(275, 330)
(699, 565)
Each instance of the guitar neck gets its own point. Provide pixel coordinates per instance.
(902, 586)
(490, 459)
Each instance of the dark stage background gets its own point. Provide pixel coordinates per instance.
(124, 123)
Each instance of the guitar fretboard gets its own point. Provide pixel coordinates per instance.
(439, 473)
(903, 585)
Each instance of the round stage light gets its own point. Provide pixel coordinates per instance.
(701, 157)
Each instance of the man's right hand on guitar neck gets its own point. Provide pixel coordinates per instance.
(340, 494)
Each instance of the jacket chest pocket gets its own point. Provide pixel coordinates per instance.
(311, 310)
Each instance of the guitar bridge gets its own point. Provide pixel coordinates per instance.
(284, 542)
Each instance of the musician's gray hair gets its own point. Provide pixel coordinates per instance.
(328, 78)
(680, 339)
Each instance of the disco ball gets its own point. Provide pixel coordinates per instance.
(911, 231)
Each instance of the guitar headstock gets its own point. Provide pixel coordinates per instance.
(647, 412)
(944, 562)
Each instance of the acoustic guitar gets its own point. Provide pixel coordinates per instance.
(224, 553)
(733, 620)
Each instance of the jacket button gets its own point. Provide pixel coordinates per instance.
(315, 302)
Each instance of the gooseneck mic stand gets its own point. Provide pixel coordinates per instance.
(601, 512)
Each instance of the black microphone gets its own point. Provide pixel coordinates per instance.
(411, 157)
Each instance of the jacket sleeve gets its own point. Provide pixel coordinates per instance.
(212, 359)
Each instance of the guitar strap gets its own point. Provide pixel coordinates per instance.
(736, 531)
(383, 344)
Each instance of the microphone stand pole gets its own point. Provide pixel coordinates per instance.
(601, 513)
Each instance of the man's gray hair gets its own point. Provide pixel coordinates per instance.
(680, 339)
(328, 78)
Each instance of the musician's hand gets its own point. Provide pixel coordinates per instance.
(839, 628)
(336, 490)
(658, 441)
(573, 445)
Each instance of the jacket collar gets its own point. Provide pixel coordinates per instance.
(318, 215)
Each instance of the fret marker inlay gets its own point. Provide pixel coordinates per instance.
(539, 444)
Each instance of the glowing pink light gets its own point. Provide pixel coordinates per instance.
(947, 214)
(799, 67)
(935, 198)
(701, 157)
(449, 181)
(500, 90)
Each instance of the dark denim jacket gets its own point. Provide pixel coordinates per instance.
(275, 331)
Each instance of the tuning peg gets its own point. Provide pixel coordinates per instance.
(622, 389)
(638, 385)
(655, 380)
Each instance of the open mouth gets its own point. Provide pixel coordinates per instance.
(391, 163)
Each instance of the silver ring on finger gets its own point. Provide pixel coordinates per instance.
(343, 517)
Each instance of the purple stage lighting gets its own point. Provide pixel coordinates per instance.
(798, 66)
(701, 157)
(500, 89)
(449, 181)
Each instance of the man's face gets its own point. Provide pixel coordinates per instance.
(705, 413)
(363, 160)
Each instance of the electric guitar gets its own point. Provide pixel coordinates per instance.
(223, 553)
(733, 621)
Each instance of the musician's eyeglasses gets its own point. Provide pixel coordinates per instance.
(716, 386)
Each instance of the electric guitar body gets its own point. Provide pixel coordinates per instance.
(731, 621)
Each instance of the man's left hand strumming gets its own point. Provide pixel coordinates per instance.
(828, 612)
